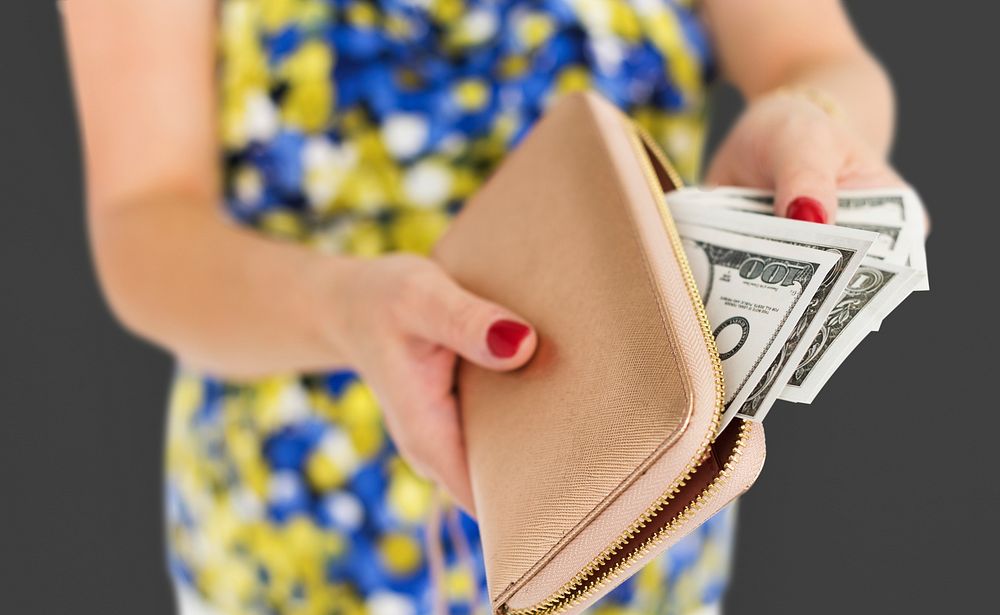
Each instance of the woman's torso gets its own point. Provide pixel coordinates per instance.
(361, 127)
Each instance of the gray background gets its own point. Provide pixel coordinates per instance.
(876, 497)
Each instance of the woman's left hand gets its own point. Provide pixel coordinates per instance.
(786, 141)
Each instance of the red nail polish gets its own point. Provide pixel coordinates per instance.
(505, 337)
(806, 209)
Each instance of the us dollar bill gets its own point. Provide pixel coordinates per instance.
(872, 205)
(893, 242)
(848, 246)
(898, 205)
(897, 213)
(755, 292)
(873, 292)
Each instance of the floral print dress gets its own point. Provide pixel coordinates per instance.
(360, 127)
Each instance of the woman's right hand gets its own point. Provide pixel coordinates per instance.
(401, 322)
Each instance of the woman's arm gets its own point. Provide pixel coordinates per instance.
(765, 45)
(172, 268)
(234, 303)
(820, 108)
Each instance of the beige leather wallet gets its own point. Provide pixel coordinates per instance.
(601, 452)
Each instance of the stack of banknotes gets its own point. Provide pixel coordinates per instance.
(789, 300)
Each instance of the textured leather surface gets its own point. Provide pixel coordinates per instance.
(744, 474)
(566, 452)
(556, 572)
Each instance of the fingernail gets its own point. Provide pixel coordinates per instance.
(505, 337)
(807, 209)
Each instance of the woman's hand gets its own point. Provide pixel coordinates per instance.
(401, 322)
(787, 141)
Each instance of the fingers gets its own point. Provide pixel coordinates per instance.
(721, 170)
(480, 331)
(427, 319)
(436, 450)
(805, 178)
(422, 417)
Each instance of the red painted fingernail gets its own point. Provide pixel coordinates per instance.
(807, 209)
(505, 337)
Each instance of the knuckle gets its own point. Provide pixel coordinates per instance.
(414, 292)
(462, 320)
(803, 136)
(806, 175)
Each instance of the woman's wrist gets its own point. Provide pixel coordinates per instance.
(854, 91)
(331, 292)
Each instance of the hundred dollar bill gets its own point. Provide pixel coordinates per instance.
(755, 291)
(847, 245)
(898, 204)
(895, 242)
(897, 213)
(873, 292)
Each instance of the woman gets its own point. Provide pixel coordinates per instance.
(351, 131)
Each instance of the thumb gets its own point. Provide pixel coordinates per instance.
(806, 185)
(480, 331)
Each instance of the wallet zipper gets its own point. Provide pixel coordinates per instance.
(585, 583)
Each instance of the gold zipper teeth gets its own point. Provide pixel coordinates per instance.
(579, 588)
(582, 593)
